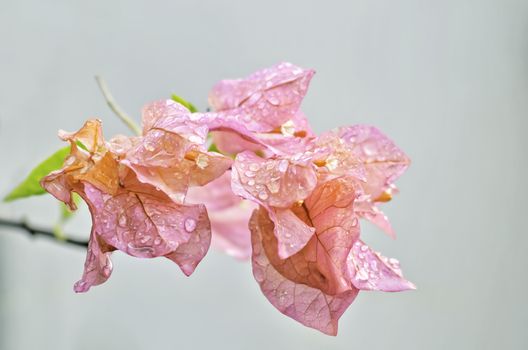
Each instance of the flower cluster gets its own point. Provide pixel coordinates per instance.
(252, 177)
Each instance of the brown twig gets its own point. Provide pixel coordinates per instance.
(34, 231)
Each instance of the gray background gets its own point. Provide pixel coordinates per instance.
(447, 80)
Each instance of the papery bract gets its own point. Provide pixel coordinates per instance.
(127, 214)
(384, 162)
(305, 304)
(266, 99)
(228, 213)
(267, 103)
(171, 154)
(322, 262)
(277, 184)
(369, 270)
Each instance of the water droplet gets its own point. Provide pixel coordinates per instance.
(195, 139)
(274, 100)
(80, 286)
(202, 161)
(190, 225)
(249, 173)
(364, 248)
(107, 270)
(369, 148)
(283, 165)
(69, 161)
(263, 195)
(149, 146)
(288, 128)
(140, 250)
(362, 275)
(259, 274)
(251, 182)
(122, 220)
(254, 167)
(145, 239)
(273, 186)
(332, 163)
(394, 262)
(157, 241)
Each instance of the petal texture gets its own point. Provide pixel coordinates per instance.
(383, 160)
(369, 270)
(229, 215)
(307, 305)
(264, 100)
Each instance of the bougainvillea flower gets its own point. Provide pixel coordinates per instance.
(277, 184)
(127, 214)
(368, 155)
(229, 215)
(308, 305)
(322, 264)
(267, 103)
(88, 161)
(265, 99)
(162, 193)
(171, 155)
(333, 265)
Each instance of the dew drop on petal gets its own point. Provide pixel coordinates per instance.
(273, 186)
(122, 220)
(190, 225)
(149, 147)
(259, 274)
(144, 239)
(107, 270)
(202, 161)
(394, 262)
(273, 100)
(332, 164)
(195, 139)
(288, 128)
(283, 165)
(263, 195)
(362, 275)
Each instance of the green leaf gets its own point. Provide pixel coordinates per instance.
(213, 148)
(31, 185)
(185, 103)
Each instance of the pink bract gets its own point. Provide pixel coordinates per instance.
(229, 215)
(264, 100)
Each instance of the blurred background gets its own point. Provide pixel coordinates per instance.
(447, 80)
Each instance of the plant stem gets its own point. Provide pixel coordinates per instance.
(34, 231)
(125, 118)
